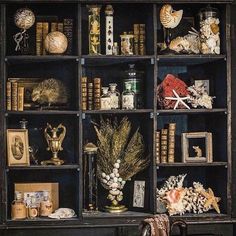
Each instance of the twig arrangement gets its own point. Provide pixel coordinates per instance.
(114, 143)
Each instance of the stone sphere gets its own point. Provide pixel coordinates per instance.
(24, 18)
(56, 43)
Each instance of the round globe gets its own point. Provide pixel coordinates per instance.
(56, 43)
(24, 18)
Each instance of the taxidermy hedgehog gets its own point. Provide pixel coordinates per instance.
(50, 91)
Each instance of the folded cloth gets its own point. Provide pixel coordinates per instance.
(63, 213)
(159, 224)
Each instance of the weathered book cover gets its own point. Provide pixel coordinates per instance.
(14, 103)
(60, 27)
(136, 39)
(84, 93)
(68, 32)
(45, 33)
(39, 38)
(97, 93)
(171, 142)
(8, 94)
(142, 39)
(20, 98)
(164, 142)
(53, 26)
(90, 96)
(157, 137)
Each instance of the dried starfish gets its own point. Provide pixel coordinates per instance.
(178, 100)
(211, 199)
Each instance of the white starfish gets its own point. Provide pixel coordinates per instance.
(178, 100)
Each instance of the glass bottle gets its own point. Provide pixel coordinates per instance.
(115, 96)
(33, 209)
(46, 206)
(128, 97)
(135, 78)
(209, 30)
(18, 207)
(105, 99)
(115, 49)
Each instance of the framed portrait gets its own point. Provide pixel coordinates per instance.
(196, 147)
(18, 147)
(139, 193)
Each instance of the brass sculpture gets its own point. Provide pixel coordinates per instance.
(54, 141)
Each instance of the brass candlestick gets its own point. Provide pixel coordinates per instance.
(54, 141)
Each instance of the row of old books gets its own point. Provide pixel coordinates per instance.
(165, 144)
(15, 96)
(91, 93)
(43, 28)
(139, 39)
(18, 93)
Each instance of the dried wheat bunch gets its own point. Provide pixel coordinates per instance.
(114, 143)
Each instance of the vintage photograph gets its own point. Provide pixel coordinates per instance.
(18, 147)
(139, 194)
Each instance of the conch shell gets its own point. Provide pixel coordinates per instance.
(170, 18)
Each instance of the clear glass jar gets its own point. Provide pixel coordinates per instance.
(105, 99)
(33, 209)
(135, 78)
(46, 206)
(18, 207)
(128, 98)
(209, 30)
(115, 96)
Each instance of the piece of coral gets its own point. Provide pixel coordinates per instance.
(179, 200)
(165, 89)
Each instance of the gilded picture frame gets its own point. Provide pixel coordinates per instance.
(202, 148)
(18, 147)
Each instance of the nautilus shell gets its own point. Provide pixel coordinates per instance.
(170, 18)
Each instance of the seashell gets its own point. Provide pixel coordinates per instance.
(117, 175)
(103, 175)
(118, 161)
(114, 185)
(175, 44)
(215, 28)
(114, 192)
(104, 181)
(117, 165)
(107, 177)
(115, 179)
(115, 171)
(170, 18)
(120, 179)
(112, 175)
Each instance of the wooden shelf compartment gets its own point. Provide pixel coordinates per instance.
(41, 167)
(194, 164)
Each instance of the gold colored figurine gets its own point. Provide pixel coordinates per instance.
(198, 151)
(54, 143)
(94, 30)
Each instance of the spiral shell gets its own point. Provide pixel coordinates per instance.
(170, 18)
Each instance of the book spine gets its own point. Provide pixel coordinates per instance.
(142, 39)
(84, 93)
(171, 142)
(90, 96)
(68, 32)
(45, 33)
(157, 138)
(39, 37)
(20, 98)
(136, 39)
(14, 96)
(8, 93)
(60, 27)
(53, 26)
(164, 140)
(97, 93)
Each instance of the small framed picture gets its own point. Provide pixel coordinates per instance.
(205, 84)
(139, 193)
(196, 147)
(18, 147)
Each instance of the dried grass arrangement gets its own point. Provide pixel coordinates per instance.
(114, 143)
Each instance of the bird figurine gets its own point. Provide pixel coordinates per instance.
(50, 92)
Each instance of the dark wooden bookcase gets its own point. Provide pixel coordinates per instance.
(70, 69)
